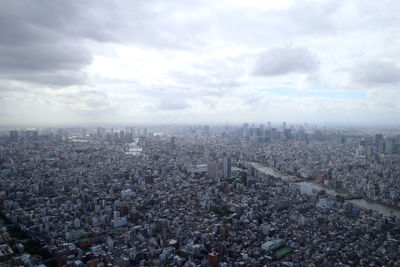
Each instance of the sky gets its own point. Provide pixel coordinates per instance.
(194, 62)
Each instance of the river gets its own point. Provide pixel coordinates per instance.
(362, 203)
(134, 148)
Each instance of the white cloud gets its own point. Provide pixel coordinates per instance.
(187, 61)
(378, 72)
(284, 60)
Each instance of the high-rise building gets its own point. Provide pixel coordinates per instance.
(267, 135)
(378, 139)
(388, 146)
(213, 259)
(274, 134)
(245, 128)
(306, 188)
(35, 135)
(173, 142)
(60, 134)
(212, 170)
(206, 130)
(227, 166)
(14, 136)
(287, 133)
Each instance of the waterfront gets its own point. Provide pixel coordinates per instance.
(384, 209)
(362, 203)
(273, 172)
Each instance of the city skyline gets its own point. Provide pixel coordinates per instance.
(248, 195)
(73, 63)
(207, 133)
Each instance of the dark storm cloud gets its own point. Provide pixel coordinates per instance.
(43, 41)
(285, 60)
(44, 57)
(371, 73)
(30, 22)
(52, 79)
(37, 44)
(46, 42)
(54, 65)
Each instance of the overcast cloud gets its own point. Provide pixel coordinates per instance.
(285, 60)
(375, 73)
(176, 61)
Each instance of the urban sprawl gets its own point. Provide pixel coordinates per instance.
(245, 195)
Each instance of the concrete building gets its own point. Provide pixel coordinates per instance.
(306, 188)
(227, 166)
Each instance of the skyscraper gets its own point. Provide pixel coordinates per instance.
(206, 130)
(227, 166)
(83, 132)
(14, 136)
(173, 142)
(212, 170)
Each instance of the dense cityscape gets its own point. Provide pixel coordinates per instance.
(212, 133)
(219, 195)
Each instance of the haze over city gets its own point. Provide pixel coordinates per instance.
(76, 62)
(226, 133)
